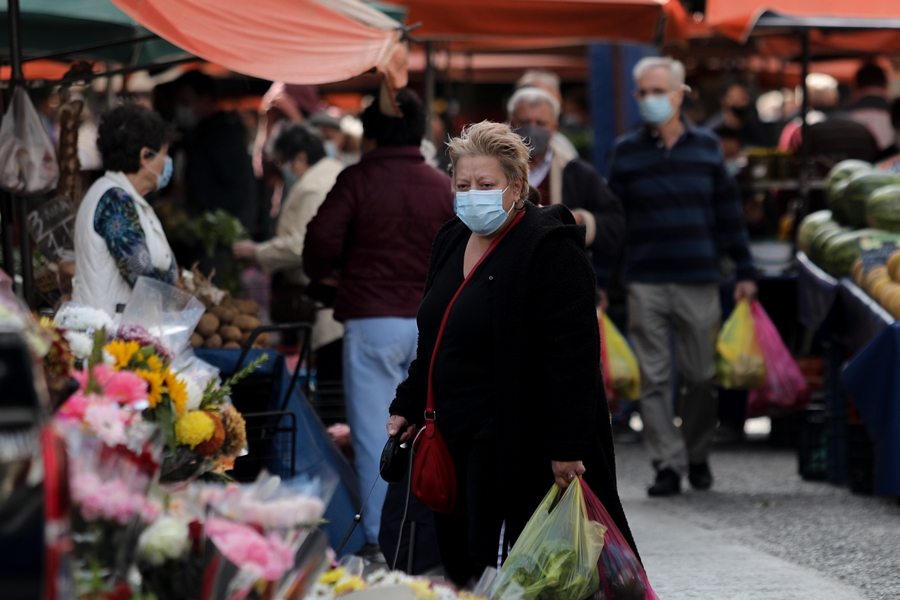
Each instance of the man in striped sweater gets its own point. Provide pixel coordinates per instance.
(682, 213)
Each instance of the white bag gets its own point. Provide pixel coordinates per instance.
(27, 157)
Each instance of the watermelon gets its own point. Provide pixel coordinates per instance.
(840, 251)
(836, 183)
(883, 208)
(858, 189)
(809, 227)
(817, 247)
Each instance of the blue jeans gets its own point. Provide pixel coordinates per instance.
(377, 354)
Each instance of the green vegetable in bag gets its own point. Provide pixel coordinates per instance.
(556, 555)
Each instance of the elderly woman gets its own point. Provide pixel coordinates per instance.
(118, 237)
(517, 385)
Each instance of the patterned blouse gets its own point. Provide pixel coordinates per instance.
(116, 221)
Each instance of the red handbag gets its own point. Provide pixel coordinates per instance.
(434, 481)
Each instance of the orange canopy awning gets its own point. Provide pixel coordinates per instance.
(737, 19)
(491, 22)
(301, 41)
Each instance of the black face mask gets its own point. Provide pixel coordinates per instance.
(537, 138)
(741, 112)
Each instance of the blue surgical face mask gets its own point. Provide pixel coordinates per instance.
(331, 148)
(481, 210)
(656, 109)
(288, 176)
(163, 179)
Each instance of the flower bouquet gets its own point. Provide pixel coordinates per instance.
(171, 558)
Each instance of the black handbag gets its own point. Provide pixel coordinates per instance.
(289, 303)
(394, 459)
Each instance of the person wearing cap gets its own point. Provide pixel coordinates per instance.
(682, 209)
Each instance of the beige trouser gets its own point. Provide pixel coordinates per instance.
(692, 313)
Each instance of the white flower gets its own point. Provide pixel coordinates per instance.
(166, 539)
(82, 345)
(194, 393)
(83, 318)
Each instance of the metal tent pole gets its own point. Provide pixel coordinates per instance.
(15, 59)
(805, 166)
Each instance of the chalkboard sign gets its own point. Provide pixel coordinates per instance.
(874, 250)
(51, 224)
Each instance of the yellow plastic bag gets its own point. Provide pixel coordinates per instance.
(556, 555)
(740, 364)
(621, 373)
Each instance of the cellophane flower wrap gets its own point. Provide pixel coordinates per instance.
(109, 484)
(268, 533)
(202, 429)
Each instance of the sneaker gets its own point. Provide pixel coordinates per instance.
(624, 434)
(668, 483)
(372, 553)
(700, 476)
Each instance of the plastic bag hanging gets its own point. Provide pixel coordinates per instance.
(27, 156)
(622, 576)
(556, 554)
(621, 373)
(785, 384)
(740, 364)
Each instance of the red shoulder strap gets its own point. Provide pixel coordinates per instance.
(429, 404)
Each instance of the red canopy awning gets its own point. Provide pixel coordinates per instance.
(300, 41)
(737, 19)
(489, 23)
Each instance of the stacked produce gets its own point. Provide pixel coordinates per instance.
(227, 323)
(881, 283)
(857, 195)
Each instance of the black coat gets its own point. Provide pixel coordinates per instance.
(551, 403)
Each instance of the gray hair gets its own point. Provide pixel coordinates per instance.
(532, 96)
(675, 68)
(538, 78)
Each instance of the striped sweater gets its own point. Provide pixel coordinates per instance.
(682, 209)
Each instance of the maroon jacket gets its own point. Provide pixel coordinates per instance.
(376, 226)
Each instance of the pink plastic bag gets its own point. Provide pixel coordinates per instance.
(785, 385)
(622, 576)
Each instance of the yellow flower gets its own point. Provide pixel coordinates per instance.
(123, 352)
(154, 364)
(332, 576)
(422, 588)
(155, 381)
(194, 428)
(350, 585)
(177, 391)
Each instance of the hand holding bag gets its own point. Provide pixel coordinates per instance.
(434, 475)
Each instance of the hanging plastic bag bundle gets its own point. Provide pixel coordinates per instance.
(27, 156)
(556, 555)
(622, 577)
(621, 373)
(785, 385)
(740, 364)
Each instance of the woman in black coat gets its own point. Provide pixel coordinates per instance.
(517, 383)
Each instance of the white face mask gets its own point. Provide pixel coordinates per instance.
(482, 210)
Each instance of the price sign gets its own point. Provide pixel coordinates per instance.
(874, 250)
(51, 224)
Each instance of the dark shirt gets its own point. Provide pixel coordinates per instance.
(682, 208)
(219, 168)
(464, 364)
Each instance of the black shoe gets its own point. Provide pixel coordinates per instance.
(668, 483)
(700, 476)
(624, 434)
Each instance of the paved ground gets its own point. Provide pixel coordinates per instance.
(762, 532)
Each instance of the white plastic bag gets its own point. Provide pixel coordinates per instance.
(27, 156)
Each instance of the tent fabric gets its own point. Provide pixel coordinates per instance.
(862, 43)
(490, 21)
(737, 19)
(303, 41)
(52, 26)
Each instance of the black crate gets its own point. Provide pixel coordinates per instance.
(812, 453)
(861, 459)
(271, 445)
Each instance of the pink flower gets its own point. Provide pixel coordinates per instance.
(109, 500)
(75, 406)
(265, 557)
(125, 387)
(108, 422)
(103, 374)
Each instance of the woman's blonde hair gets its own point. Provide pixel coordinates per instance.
(496, 140)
